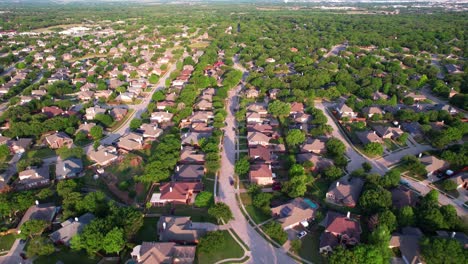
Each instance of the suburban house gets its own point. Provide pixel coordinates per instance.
(296, 108)
(403, 196)
(34, 177)
(461, 180)
(252, 93)
(203, 105)
(85, 128)
(260, 154)
(315, 145)
(193, 138)
(150, 131)
(68, 168)
(345, 111)
(339, 230)
(433, 164)
(345, 191)
(296, 212)
(320, 163)
(367, 137)
(103, 156)
(131, 141)
(161, 117)
(176, 193)
(388, 132)
(408, 243)
(163, 252)
(416, 97)
(201, 117)
(265, 129)
(261, 174)
(273, 93)
(201, 128)
(51, 111)
(371, 111)
(45, 212)
(189, 173)
(165, 104)
(179, 229)
(58, 140)
(71, 228)
(91, 112)
(253, 117)
(413, 128)
(190, 155)
(257, 138)
(20, 145)
(257, 108)
(118, 113)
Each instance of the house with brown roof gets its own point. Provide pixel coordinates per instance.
(371, 111)
(416, 97)
(345, 111)
(388, 132)
(273, 93)
(189, 173)
(51, 111)
(190, 155)
(257, 138)
(179, 229)
(461, 180)
(261, 174)
(260, 108)
(91, 112)
(408, 243)
(320, 163)
(252, 93)
(264, 129)
(201, 128)
(253, 118)
(260, 154)
(103, 156)
(294, 213)
(367, 137)
(315, 145)
(201, 117)
(20, 145)
(150, 131)
(131, 141)
(403, 196)
(296, 108)
(433, 164)
(33, 178)
(176, 193)
(103, 94)
(161, 117)
(162, 105)
(85, 128)
(193, 138)
(345, 191)
(58, 140)
(203, 105)
(86, 95)
(339, 230)
(163, 253)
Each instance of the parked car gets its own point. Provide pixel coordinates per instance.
(276, 186)
(301, 234)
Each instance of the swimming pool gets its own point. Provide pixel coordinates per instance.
(310, 203)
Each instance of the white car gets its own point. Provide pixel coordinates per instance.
(301, 234)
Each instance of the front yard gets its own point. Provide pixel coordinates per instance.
(257, 215)
(228, 249)
(67, 256)
(6, 242)
(310, 246)
(196, 214)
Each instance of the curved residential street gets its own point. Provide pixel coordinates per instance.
(261, 250)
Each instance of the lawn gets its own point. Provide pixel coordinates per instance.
(453, 193)
(199, 45)
(228, 249)
(310, 247)
(148, 232)
(6, 242)
(67, 256)
(196, 214)
(318, 190)
(116, 125)
(257, 215)
(40, 153)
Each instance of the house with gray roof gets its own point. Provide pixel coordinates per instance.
(189, 172)
(345, 191)
(164, 253)
(71, 228)
(408, 243)
(68, 168)
(179, 229)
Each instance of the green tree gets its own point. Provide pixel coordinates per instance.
(4, 151)
(211, 242)
(39, 246)
(262, 201)
(373, 149)
(295, 137)
(32, 228)
(390, 179)
(153, 79)
(278, 108)
(66, 187)
(335, 147)
(375, 200)
(135, 123)
(66, 153)
(367, 166)
(406, 216)
(443, 251)
(449, 185)
(96, 132)
(275, 231)
(204, 199)
(114, 241)
(242, 166)
(332, 173)
(221, 212)
(388, 219)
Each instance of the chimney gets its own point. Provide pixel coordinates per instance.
(269, 167)
(399, 126)
(420, 155)
(453, 234)
(105, 153)
(337, 183)
(177, 168)
(37, 174)
(37, 202)
(348, 215)
(76, 219)
(373, 132)
(170, 189)
(164, 226)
